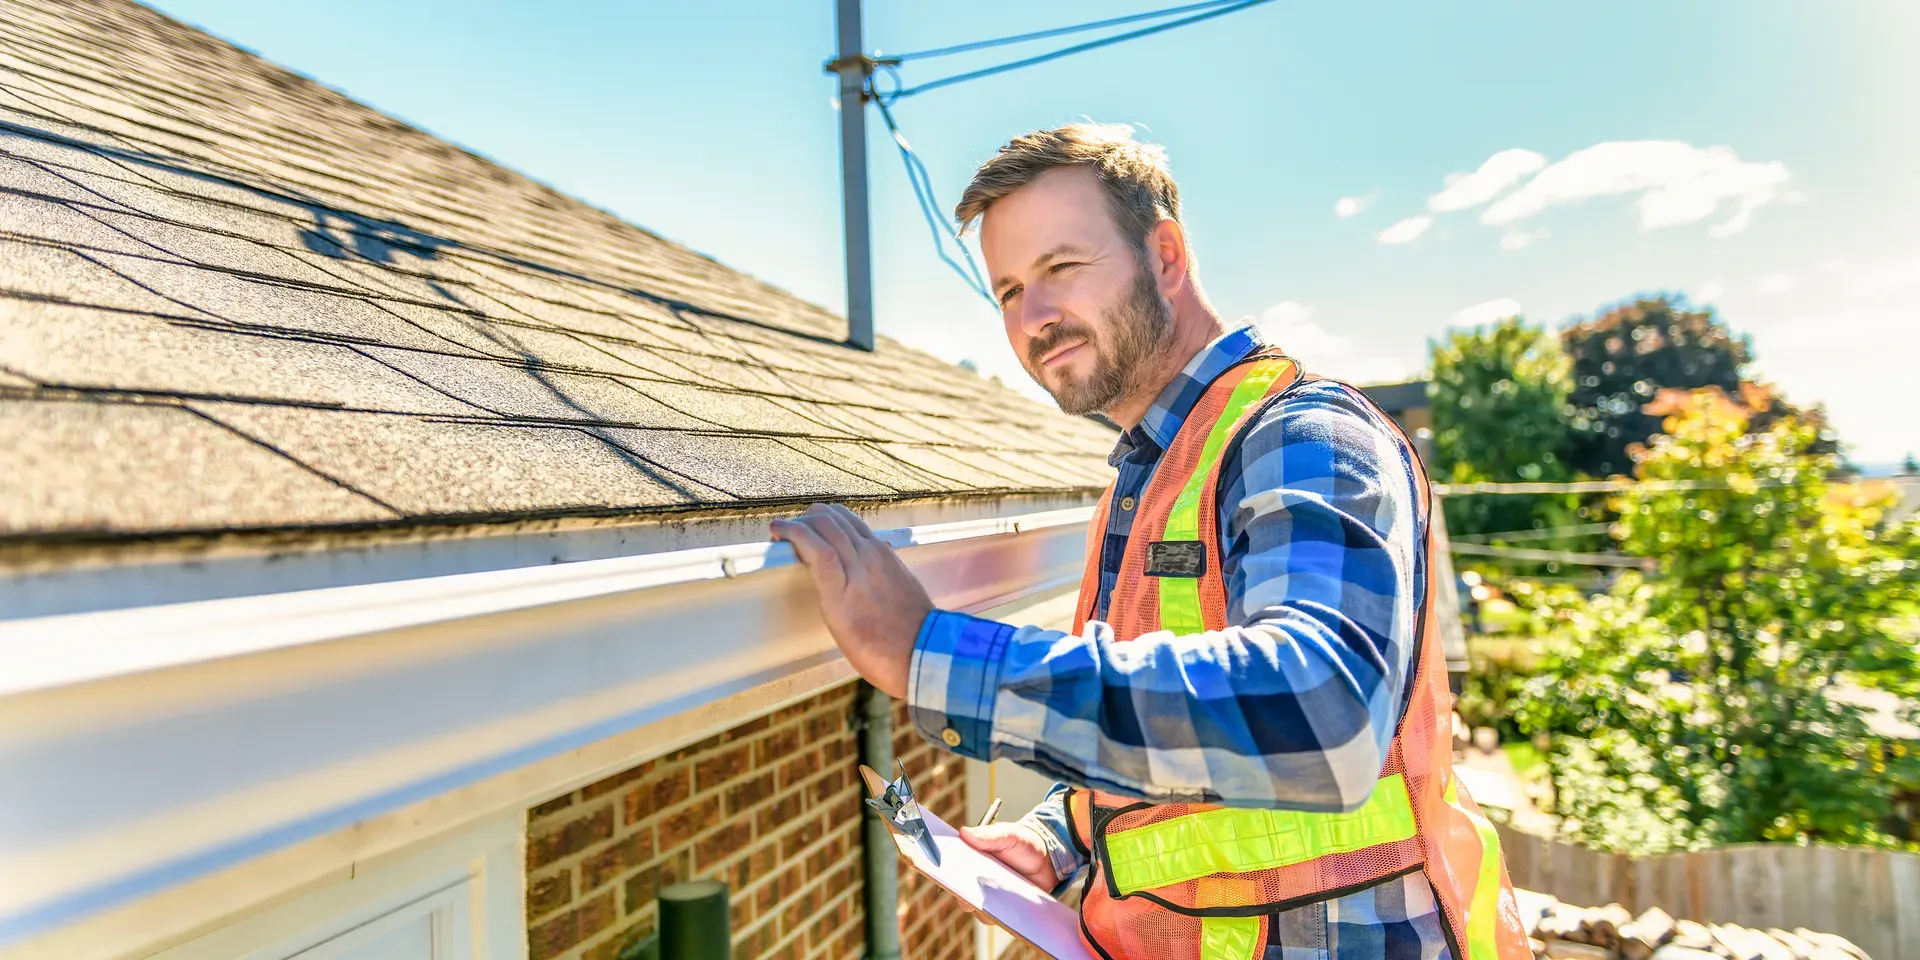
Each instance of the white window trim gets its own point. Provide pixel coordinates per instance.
(473, 883)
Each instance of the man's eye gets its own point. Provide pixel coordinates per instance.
(1007, 297)
(1056, 268)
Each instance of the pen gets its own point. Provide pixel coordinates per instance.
(993, 810)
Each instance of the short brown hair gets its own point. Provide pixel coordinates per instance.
(1140, 189)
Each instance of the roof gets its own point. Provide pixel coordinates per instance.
(1398, 397)
(233, 299)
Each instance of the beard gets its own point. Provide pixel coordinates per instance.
(1136, 329)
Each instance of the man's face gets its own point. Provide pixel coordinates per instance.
(1083, 314)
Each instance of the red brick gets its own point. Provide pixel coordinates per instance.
(825, 726)
(799, 910)
(711, 849)
(554, 937)
(558, 803)
(676, 868)
(789, 952)
(615, 782)
(767, 898)
(615, 859)
(650, 798)
(799, 768)
(570, 838)
(824, 790)
(822, 860)
(754, 943)
(747, 729)
(710, 772)
(828, 923)
(694, 749)
(641, 889)
(759, 862)
(781, 812)
(678, 827)
(740, 913)
(610, 948)
(596, 914)
(850, 943)
(834, 751)
(549, 893)
(803, 837)
(781, 744)
(747, 793)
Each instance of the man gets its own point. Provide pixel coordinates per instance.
(1229, 709)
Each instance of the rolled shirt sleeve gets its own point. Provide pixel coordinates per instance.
(1293, 706)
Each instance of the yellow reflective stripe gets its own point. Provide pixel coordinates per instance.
(1180, 596)
(1229, 938)
(1240, 841)
(1483, 942)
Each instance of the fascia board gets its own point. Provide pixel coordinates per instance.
(148, 747)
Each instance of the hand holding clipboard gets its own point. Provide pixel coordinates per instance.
(987, 886)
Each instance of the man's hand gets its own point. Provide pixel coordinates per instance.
(872, 603)
(1017, 846)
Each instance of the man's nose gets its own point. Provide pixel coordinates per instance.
(1037, 312)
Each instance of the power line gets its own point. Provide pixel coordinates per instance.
(930, 208)
(1540, 533)
(1055, 32)
(858, 69)
(1216, 11)
(1546, 556)
(1587, 486)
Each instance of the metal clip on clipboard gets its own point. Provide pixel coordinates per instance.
(897, 805)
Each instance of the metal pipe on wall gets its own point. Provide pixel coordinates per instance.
(882, 892)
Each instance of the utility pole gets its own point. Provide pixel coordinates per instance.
(854, 68)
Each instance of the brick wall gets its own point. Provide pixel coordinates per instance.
(773, 808)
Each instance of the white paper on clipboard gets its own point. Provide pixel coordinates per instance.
(996, 892)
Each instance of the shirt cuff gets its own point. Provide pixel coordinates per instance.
(954, 679)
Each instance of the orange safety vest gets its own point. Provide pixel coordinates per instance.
(1181, 881)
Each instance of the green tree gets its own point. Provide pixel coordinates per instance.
(1697, 706)
(1624, 356)
(1499, 401)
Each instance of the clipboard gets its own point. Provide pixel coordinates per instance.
(994, 892)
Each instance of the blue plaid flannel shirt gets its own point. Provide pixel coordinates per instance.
(1292, 707)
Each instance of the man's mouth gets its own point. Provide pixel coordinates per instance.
(1062, 352)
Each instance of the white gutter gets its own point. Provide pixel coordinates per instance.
(143, 748)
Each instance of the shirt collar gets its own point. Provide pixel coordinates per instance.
(1169, 411)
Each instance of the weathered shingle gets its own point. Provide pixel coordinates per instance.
(231, 298)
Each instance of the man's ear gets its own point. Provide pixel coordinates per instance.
(1167, 254)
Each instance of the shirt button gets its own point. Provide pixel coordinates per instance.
(950, 737)
(1126, 503)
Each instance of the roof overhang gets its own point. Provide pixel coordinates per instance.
(153, 746)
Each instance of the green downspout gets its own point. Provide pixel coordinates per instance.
(874, 717)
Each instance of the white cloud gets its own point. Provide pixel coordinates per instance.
(1348, 206)
(1776, 283)
(1500, 171)
(1516, 239)
(1678, 184)
(1290, 325)
(1488, 312)
(1873, 279)
(1710, 291)
(1406, 231)
(1826, 359)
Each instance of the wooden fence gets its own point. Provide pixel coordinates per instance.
(1871, 897)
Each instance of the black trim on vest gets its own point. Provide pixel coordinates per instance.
(1097, 827)
(1281, 906)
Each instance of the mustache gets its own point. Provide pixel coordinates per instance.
(1059, 333)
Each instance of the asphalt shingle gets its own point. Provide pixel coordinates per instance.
(104, 469)
(327, 316)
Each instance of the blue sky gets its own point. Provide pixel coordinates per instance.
(1760, 155)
